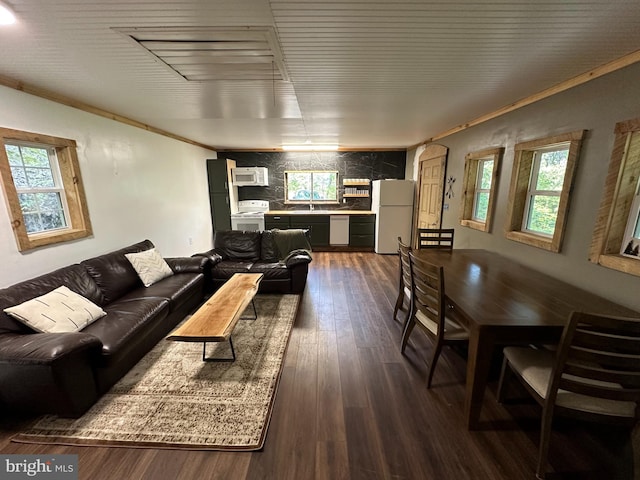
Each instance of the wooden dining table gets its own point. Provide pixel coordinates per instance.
(506, 303)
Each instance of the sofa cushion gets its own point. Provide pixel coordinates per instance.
(113, 273)
(271, 270)
(150, 266)
(126, 318)
(226, 268)
(268, 249)
(75, 277)
(236, 245)
(177, 289)
(59, 311)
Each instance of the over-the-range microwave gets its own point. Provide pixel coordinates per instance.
(250, 176)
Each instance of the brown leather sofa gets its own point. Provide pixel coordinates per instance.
(65, 373)
(283, 256)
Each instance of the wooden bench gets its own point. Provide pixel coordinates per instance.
(215, 320)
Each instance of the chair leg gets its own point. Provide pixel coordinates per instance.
(398, 306)
(635, 447)
(505, 372)
(545, 438)
(434, 360)
(411, 322)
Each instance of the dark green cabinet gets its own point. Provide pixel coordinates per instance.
(219, 194)
(319, 225)
(276, 221)
(362, 229)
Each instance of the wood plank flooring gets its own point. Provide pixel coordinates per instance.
(350, 406)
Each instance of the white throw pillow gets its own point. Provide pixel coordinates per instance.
(60, 310)
(150, 266)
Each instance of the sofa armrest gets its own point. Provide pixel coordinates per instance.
(195, 264)
(44, 348)
(213, 256)
(48, 372)
(297, 257)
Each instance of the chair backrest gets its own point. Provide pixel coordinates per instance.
(405, 266)
(599, 356)
(435, 238)
(428, 292)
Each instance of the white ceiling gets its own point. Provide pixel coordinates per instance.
(363, 74)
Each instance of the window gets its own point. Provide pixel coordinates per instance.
(543, 173)
(43, 189)
(616, 237)
(311, 187)
(480, 176)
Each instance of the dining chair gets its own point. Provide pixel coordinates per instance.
(430, 310)
(404, 287)
(435, 238)
(593, 375)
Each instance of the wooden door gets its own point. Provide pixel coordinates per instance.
(432, 166)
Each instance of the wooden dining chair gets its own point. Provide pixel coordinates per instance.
(430, 310)
(594, 375)
(435, 238)
(404, 287)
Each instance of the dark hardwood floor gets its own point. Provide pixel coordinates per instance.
(350, 406)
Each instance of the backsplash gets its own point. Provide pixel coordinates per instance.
(370, 165)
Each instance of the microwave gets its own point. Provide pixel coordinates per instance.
(250, 176)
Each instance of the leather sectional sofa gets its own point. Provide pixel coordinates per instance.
(65, 373)
(283, 256)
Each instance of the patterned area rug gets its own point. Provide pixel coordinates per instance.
(172, 399)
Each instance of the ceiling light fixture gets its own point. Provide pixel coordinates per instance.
(310, 148)
(7, 17)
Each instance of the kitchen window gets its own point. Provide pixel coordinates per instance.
(480, 177)
(541, 183)
(616, 237)
(43, 189)
(311, 187)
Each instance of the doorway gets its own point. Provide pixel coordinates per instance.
(432, 168)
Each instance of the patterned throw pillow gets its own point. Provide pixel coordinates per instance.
(150, 265)
(60, 310)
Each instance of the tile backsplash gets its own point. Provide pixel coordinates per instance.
(369, 165)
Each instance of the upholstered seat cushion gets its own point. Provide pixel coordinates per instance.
(271, 270)
(452, 329)
(535, 367)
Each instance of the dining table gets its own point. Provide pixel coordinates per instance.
(507, 303)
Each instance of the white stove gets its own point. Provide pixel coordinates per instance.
(250, 216)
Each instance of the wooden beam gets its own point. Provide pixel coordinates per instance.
(70, 102)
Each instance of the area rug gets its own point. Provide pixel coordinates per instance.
(172, 399)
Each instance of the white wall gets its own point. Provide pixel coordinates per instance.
(596, 107)
(138, 185)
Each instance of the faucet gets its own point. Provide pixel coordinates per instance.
(311, 207)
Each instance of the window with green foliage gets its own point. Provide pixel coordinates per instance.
(39, 187)
(545, 187)
(43, 189)
(543, 172)
(311, 187)
(480, 176)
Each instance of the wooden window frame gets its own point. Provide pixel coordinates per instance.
(519, 187)
(79, 224)
(471, 164)
(617, 199)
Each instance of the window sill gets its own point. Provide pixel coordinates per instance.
(621, 263)
(482, 226)
(50, 238)
(533, 240)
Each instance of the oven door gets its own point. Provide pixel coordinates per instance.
(247, 223)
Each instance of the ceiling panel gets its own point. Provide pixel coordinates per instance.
(365, 74)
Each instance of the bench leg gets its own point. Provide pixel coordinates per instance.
(255, 312)
(215, 359)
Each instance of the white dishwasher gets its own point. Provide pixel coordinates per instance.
(338, 229)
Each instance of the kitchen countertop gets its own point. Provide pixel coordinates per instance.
(319, 212)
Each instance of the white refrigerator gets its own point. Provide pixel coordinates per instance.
(392, 202)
